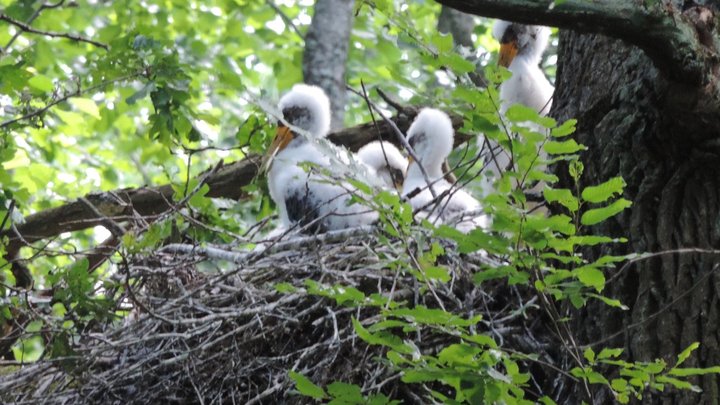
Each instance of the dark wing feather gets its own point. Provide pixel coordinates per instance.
(301, 211)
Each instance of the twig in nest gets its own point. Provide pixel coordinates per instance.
(293, 244)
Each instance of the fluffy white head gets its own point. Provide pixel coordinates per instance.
(531, 39)
(307, 107)
(372, 155)
(385, 160)
(431, 136)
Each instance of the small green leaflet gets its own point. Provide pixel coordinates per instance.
(597, 215)
(686, 353)
(562, 196)
(604, 191)
(40, 82)
(590, 277)
(563, 148)
(306, 387)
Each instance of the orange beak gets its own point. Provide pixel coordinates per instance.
(283, 136)
(508, 51)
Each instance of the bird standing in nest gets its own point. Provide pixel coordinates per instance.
(304, 195)
(431, 138)
(384, 161)
(521, 48)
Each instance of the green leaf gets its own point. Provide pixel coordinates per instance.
(306, 387)
(610, 301)
(347, 393)
(686, 353)
(459, 354)
(607, 353)
(285, 288)
(604, 191)
(685, 372)
(382, 338)
(42, 83)
(590, 277)
(589, 355)
(563, 148)
(563, 196)
(567, 128)
(679, 384)
(547, 401)
(597, 215)
(618, 384)
(437, 273)
(86, 105)
(457, 63)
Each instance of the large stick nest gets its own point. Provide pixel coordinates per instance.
(197, 336)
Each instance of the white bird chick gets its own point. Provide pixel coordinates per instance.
(385, 161)
(521, 48)
(307, 198)
(431, 138)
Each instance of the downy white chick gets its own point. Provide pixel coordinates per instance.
(306, 197)
(431, 138)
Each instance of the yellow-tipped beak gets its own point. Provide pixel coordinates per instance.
(508, 51)
(410, 162)
(283, 136)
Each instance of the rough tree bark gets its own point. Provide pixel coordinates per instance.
(460, 25)
(326, 52)
(653, 119)
(630, 118)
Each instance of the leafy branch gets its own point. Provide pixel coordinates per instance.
(27, 28)
(78, 92)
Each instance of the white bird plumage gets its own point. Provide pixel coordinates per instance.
(385, 161)
(431, 138)
(308, 198)
(521, 49)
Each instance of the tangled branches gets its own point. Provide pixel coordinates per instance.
(201, 335)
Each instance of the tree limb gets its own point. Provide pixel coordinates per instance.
(26, 28)
(666, 34)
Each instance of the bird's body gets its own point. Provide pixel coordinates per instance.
(431, 137)
(521, 49)
(385, 162)
(299, 178)
(527, 86)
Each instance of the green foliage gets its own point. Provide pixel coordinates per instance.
(183, 86)
(634, 378)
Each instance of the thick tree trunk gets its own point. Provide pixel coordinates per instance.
(658, 136)
(460, 25)
(326, 51)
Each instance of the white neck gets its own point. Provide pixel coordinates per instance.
(433, 169)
